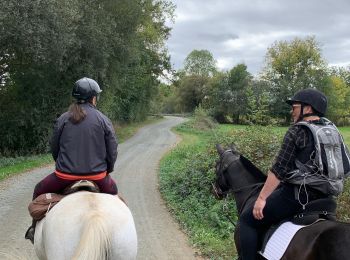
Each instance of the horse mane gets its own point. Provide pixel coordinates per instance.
(260, 176)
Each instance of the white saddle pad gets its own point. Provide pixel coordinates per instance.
(279, 241)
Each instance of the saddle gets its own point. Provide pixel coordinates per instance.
(81, 185)
(40, 206)
(320, 209)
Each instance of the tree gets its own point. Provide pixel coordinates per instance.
(191, 92)
(343, 73)
(212, 101)
(292, 66)
(338, 94)
(200, 63)
(231, 97)
(258, 103)
(45, 46)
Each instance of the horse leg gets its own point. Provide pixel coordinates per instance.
(236, 239)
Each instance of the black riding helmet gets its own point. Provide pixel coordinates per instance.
(85, 89)
(312, 97)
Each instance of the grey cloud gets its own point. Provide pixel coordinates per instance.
(207, 24)
(215, 37)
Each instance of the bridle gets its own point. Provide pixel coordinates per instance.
(219, 194)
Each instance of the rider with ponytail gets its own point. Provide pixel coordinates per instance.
(83, 145)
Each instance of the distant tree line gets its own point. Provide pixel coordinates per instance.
(46, 45)
(238, 97)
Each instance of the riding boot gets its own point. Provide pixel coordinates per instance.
(30, 232)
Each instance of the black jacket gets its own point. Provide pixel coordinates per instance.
(85, 148)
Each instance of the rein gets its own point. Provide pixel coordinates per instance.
(225, 207)
(255, 186)
(226, 211)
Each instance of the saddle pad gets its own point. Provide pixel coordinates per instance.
(279, 241)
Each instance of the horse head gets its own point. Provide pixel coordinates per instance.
(221, 186)
(234, 172)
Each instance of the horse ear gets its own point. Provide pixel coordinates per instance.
(234, 148)
(220, 149)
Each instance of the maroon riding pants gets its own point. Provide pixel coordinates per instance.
(52, 183)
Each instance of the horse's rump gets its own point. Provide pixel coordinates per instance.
(323, 240)
(87, 225)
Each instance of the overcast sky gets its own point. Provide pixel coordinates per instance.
(240, 31)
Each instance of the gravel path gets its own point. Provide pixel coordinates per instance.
(159, 237)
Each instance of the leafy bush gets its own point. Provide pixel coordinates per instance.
(201, 120)
(185, 181)
(258, 143)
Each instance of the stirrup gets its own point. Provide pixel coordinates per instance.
(30, 234)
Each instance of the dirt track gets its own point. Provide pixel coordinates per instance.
(159, 236)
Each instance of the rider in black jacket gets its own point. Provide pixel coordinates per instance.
(84, 146)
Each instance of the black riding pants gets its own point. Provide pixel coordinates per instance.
(279, 205)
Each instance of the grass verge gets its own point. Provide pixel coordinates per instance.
(10, 166)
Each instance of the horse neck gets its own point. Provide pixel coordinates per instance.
(246, 196)
(244, 184)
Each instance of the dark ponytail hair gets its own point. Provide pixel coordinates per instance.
(77, 113)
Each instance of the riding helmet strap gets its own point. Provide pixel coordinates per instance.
(309, 114)
(302, 115)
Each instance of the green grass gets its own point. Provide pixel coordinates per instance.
(185, 186)
(345, 131)
(15, 165)
(10, 166)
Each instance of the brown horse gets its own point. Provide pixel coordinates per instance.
(327, 239)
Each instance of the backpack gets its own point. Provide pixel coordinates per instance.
(331, 163)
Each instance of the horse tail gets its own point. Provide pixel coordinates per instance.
(95, 242)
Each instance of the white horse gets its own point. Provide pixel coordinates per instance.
(87, 225)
